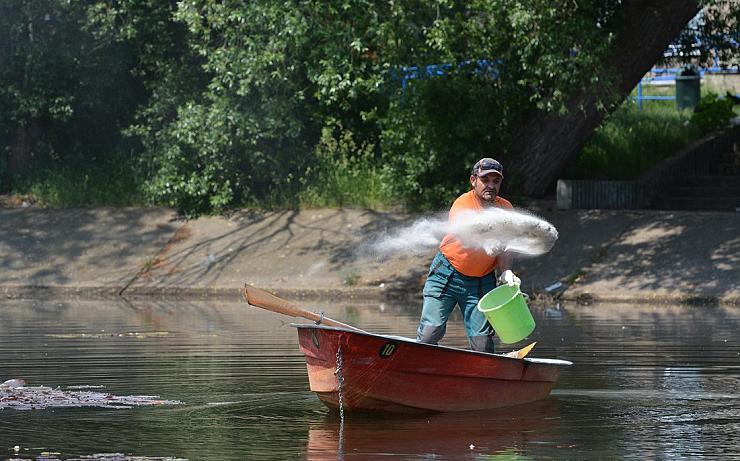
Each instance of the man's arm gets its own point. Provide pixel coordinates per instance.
(504, 264)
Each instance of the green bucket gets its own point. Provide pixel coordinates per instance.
(507, 311)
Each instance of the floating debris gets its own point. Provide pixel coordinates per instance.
(125, 334)
(48, 456)
(19, 397)
(13, 383)
(555, 287)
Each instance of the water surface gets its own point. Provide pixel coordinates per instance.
(658, 382)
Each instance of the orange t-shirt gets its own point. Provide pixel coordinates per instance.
(473, 262)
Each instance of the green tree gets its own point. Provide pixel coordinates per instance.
(166, 122)
(65, 96)
(217, 104)
(712, 35)
(277, 73)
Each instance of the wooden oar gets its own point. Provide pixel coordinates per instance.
(265, 300)
(261, 298)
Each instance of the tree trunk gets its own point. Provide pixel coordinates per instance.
(22, 148)
(548, 142)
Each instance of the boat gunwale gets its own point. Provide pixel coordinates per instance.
(532, 360)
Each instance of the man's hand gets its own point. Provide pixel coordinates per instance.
(509, 278)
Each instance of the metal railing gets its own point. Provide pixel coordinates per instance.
(490, 68)
(668, 75)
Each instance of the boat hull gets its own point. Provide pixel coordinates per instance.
(391, 374)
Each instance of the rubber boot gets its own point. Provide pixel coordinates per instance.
(481, 343)
(430, 334)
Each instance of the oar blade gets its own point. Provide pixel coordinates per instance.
(521, 353)
(261, 298)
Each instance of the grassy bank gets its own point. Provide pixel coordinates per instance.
(113, 184)
(631, 141)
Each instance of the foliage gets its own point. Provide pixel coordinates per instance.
(212, 105)
(170, 70)
(427, 159)
(435, 130)
(274, 74)
(351, 278)
(345, 173)
(712, 113)
(711, 36)
(65, 95)
(631, 141)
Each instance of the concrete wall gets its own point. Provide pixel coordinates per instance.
(619, 195)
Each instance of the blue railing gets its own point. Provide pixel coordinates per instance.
(490, 68)
(483, 67)
(669, 74)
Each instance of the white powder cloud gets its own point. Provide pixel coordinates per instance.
(494, 230)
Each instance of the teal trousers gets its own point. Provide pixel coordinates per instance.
(446, 288)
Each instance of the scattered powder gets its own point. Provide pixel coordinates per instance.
(494, 230)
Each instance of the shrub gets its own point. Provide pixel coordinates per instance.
(345, 173)
(435, 131)
(712, 113)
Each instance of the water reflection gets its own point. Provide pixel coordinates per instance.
(467, 435)
(648, 381)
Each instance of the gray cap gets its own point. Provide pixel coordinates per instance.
(486, 166)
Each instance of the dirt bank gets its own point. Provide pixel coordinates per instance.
(600, 255)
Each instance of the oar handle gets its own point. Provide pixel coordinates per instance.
(261, 298)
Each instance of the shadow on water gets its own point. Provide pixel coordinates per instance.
(647, 381)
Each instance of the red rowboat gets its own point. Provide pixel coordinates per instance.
(355, 370)
(370, 372)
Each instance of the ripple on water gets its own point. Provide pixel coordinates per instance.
(648, 381)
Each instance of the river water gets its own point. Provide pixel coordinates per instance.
(648, 381)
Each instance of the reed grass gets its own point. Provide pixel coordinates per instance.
(631, 141)
(85, 186)
(346, 174)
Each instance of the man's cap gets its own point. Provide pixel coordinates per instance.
(487, 165)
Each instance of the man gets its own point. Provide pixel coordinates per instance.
(461, 275)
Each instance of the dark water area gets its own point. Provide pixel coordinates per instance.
(655, 382)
